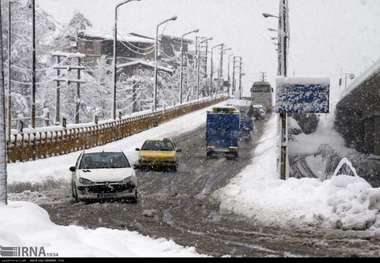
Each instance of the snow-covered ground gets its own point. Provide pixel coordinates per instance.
(258, 194)
(57, 168)
(26, 224)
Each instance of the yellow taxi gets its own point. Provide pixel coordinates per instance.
(158, 154)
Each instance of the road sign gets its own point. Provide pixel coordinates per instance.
(303, 95)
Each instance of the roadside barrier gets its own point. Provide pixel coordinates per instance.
(43, 143)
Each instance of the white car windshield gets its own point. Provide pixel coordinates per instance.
(104, 161)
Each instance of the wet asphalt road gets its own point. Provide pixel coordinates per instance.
(179, 206)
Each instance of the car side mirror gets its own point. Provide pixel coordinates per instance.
(138, 149)
(73, 168)
(179, 150)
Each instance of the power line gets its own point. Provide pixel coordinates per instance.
(134, 46)
(136, 52)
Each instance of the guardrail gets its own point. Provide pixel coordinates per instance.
(34, 145)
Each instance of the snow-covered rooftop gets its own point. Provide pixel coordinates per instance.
(67, 54)
(145, 63)
(133, 38)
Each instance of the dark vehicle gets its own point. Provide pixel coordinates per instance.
(246, 110)
(223, 131)
(259, 112)
(262, 94)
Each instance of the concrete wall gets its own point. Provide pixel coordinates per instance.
(357, 117)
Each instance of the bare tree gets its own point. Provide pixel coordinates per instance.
(3, 142)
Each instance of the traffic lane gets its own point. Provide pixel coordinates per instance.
(164, 194)
(178, 206)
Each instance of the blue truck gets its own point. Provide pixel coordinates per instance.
(223, 131)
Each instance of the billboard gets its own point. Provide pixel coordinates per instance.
(303, 95)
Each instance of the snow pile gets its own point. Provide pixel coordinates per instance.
(26, 224)
(258, 193)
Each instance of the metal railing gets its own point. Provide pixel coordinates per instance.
(34, 144)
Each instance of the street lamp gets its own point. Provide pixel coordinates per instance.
(266, 15)
(198, 62)
(181, 77)
(115, 55)
(272, 30)
(174, 18)
(349, 75)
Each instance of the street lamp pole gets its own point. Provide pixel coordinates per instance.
(199, 62)
(182, 53)
(283, 41)
(156, 61)
(114, 107)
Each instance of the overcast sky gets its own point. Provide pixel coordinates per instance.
(328, 37)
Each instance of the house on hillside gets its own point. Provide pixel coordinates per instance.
(95, 44)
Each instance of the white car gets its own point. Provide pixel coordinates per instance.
(103, 175)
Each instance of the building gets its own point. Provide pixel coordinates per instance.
(95, 45)
(133, 46)
(358, 113)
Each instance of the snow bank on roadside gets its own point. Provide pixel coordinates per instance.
(26, 224)
(57, 168)
(257, 193)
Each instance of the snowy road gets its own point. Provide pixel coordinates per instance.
(178, 206)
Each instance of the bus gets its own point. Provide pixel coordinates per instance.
(262, 94)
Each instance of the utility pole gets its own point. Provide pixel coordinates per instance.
(212, 68)
(263, 76)
(78, 103)
(283, 32)
(206, 62)
(199, 62)
(9, 106)
(78, 82)
(182, 60)
(240, 77)
(198, 69)
(235, 66)
(229, 74)
(134, 97)
(221, 67)
(3, 139)
(34, 64)
(58, 91)
(233, 76)
(114, 66)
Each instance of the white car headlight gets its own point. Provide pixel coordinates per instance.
(130, 181)
(85, 181)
